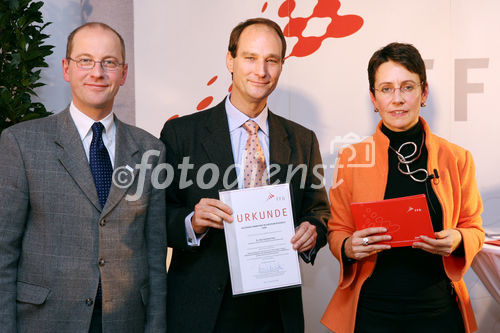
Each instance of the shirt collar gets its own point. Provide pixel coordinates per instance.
(84, 123)
(236, 118)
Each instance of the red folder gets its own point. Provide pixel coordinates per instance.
(493, 242)
(405, 218)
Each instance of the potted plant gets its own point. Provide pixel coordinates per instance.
(22, 54)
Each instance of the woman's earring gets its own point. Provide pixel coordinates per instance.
(375, 110)
(423, 104)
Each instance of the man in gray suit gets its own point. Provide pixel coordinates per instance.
(76, 254)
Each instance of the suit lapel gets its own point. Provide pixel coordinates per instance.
(279, 148)
(72, 156)
(216, 141)
(126, 154)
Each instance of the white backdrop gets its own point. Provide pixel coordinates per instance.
(180, 46)
(328, 90)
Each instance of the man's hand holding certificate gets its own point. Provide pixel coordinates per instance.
(260, 252)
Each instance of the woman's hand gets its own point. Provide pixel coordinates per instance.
(447, 241)
(362, 243)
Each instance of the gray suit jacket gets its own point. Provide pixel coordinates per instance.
(55, 239)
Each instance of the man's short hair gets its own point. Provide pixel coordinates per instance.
(69, 45)
(404, 54)
(235, 34)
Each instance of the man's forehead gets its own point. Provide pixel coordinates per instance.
(95, 31)
(92, 39)
(248, 38)
(259, 27)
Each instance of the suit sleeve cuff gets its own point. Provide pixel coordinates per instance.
(308, 255)
(192, 238)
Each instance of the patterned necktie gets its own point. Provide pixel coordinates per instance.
(100, 164)
(254, 161)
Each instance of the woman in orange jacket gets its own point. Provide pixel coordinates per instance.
(405, 289)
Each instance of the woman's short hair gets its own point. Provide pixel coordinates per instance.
(404, 54)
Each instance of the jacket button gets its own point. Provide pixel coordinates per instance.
(102, 223)
(220, 289)
(89, 301)
(101, 262)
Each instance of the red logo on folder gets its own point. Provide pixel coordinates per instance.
(404, 218)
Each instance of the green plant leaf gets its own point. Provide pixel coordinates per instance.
(16, 59)
(22, 54)
(14, 4)
(35, 6)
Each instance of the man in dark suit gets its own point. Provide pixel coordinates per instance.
(76, 254)
(200, 297)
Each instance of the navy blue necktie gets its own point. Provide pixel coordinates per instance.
(102, 172)
(100, 164)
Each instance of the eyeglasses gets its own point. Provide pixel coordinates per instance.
(407, 89)
(107, 65)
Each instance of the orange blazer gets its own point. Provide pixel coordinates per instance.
(361, 175)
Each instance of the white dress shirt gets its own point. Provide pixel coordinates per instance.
(239, 137)
(84, 124)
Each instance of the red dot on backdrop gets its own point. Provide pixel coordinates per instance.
(204, 103)
(173, 117)
(212, 80)
(230, 88)
(286, 8)
(264, 7)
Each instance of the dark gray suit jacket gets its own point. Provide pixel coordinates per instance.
(53, 234)
(198, 275)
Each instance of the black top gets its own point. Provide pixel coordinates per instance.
(407, 279)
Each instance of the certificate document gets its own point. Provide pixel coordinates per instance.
(261, 256)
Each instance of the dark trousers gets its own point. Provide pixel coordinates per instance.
(256, 313)
(96, 321)
(447, 320)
